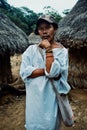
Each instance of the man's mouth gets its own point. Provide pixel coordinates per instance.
(45, 37)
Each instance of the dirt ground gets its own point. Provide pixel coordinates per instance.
(12, 108)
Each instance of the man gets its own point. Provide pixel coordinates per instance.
(42, 111)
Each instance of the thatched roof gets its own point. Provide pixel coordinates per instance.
(34, 39)
(12, 39)
(73, 28)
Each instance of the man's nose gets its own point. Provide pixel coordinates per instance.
(44, 31)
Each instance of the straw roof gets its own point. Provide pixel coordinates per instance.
(12, 39)
(72, 29)
(34, 39)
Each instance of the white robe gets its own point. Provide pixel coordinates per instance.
(41, 104)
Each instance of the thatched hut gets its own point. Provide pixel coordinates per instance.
(12, 40)
(34, 39)
(72, 33)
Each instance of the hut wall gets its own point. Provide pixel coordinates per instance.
(78, 68)
(5, 69)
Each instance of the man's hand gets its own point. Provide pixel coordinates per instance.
(45, 44)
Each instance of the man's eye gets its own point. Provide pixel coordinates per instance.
(47, 27)
(40, 29)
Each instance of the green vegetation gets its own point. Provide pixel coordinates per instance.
(53, 12)
(25, 18)
(66, 11)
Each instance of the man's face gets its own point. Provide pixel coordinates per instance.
(46, 31)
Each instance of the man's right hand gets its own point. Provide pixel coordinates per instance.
(45, 44)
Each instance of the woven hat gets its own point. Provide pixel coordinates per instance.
(47, 18)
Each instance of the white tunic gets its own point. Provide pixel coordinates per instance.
(41, 103)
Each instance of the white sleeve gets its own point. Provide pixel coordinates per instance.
(59, 65)
(26, 67)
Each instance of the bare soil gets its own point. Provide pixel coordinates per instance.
(12, 108)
